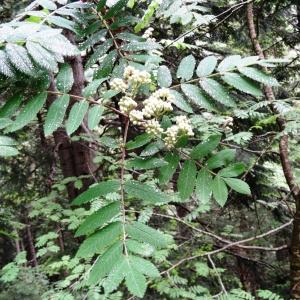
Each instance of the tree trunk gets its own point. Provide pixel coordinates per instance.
(30, 242)
(76, 158)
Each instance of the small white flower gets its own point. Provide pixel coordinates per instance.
(164, 94)
(153, 127)
(136, 117)
(156, 107)
(127, 104)
(182, 128)
(129, 72)
(118, 84)
(135, 76)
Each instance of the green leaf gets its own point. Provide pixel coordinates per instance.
(56, 113)
(139, 141)
(242, 84)
(19, 58)
(221, 158)
(143, 233)
(5, 67)
(7, 151)
(258, 75)
(141, 46)
(115, 9)
(62, 22)
(93, 39)
(100, 240)
(146, 192)
(101, 4)
(106, 65)
(29, 112)
(98, 53)
(186, 68)
(135, 281)
(116, 276)
(48, 4)
(197, 96)
(144, 266)
(220, 190)
(139, 248)
(42, 56)
(152, 148)
(164, 77)
(94, 116)
(11, 105)
(76, 116)
(207, 66)
(186, 179)
(145, 163)
(204, 186)
(98, 219)
(106, 262)
(206, 147)
(180, 102)
(232, 170)
(96, 191)
(92, 88)
(229, 63)
(167, 172)
(5, 122)
(238, 185)
(65, 79)
(7, 141)
(218, 92)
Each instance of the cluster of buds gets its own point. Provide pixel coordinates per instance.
(136, 117)
(154, 107)
(158, 104)
(153, 127)
(134, 76)
(227, 124)
(183, 127)
(148, 34)
(119, 85)
(127, 104)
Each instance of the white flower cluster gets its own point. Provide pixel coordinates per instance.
(118, 84)
(183, 127)
(135, 76)
(158, 104)
(132, 78)
(136, 117)
(153, 127)
(127, 104)
(227, 124)
(148, 35)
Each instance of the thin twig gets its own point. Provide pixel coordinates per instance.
(270, 232)
(218, 275)
(123, 183)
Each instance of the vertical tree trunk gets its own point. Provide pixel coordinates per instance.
(30, 242)
(287, 170)
(76, 158)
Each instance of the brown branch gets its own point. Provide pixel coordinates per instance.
(270, 232)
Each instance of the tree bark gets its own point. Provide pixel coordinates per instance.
(30, 242)
(287, 170)
(76, 158)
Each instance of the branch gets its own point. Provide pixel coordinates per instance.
(270, 232)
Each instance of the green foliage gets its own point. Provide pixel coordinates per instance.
(169, 124)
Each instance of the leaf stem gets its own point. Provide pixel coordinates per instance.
(90, 100)
(125, 135)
